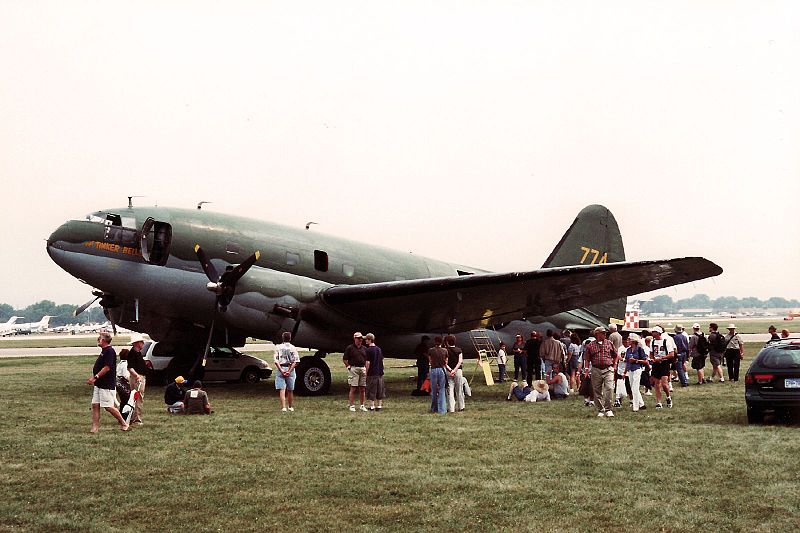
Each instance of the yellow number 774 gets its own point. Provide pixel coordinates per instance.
(595, 255)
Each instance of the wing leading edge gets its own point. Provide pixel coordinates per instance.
(461, 303)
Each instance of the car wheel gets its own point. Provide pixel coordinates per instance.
(313, 377)
(754, 415)
(250, 375)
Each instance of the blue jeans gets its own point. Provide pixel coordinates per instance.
(438, 384)
(682, 377)
(520, 365)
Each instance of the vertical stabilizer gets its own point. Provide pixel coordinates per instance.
(593, 238)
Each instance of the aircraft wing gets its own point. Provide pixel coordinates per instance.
(461, 303)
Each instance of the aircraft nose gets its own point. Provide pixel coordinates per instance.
(57, 240)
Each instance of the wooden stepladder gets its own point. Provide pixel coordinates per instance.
(487, 354)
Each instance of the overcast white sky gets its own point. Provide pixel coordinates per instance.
(468, 131)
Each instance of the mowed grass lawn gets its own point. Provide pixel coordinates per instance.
(497, 466)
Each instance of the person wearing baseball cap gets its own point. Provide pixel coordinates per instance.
(603, 358)
(734, 352)
(662, 355)
(355, 360)
(173, 395)
(698, 349)
(138, 370)
(681, 354)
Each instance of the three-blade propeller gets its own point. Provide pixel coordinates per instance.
(224, 286)
(106, 301)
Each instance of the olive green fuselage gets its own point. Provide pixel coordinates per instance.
(157, 285)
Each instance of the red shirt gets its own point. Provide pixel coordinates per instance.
(601, 355)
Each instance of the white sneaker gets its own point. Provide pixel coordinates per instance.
(291, 409)
(722, 380)
(601, 414)
(610, 414)
(648, 393)
(363, 408)
(283, 410)
(353, 408)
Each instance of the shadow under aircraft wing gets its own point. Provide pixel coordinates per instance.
(461, 303)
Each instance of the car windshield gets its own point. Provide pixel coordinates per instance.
(780, 357)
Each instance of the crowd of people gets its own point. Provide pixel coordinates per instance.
(605, 368)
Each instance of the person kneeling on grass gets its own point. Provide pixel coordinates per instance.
(539, 392)
(196, 400)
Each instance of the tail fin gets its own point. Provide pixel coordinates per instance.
(593, 238)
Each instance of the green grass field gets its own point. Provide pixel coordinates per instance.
(497, 466)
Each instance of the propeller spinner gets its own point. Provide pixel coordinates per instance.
(224, 286)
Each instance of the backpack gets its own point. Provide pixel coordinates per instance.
(702, 345)
(719, 343)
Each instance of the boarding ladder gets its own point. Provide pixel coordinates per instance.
(487, 353)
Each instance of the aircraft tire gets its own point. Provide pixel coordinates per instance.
(313, 377)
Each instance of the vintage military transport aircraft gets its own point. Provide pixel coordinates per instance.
(194, 277)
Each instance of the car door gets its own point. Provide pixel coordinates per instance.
(221, 365)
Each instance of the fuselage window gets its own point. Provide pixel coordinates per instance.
(348, 270)
(321, 260)
(292, 258)
(233, 248)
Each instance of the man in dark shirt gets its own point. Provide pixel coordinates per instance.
(773, 334)
(104, 382)
(437, 356)
(136, 362)
(534, 361)
(173, 395)
(375, 388)
(355, 359)
(423, 366)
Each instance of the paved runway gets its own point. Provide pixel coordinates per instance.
(6, 353)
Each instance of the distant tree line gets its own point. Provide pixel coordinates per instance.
(62, 314)
(732, 304)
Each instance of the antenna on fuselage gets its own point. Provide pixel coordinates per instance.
(130, 200)
(309, 224)
(200, 204)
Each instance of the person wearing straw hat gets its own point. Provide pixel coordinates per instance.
(734, 352)
(138, 374)
(636, 360)
(540, 392)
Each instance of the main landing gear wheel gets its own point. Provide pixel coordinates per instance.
(313, 377)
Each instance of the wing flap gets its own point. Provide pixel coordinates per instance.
(461, 303)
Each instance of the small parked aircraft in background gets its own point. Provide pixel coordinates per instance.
(6, 328)
(25, 328)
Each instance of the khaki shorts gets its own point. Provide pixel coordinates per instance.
(357, 376)
(105, 397)
(716, 359)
